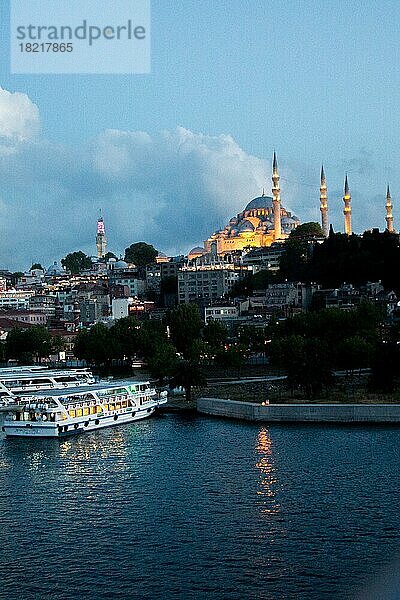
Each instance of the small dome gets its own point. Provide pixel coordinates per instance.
(260, 202)
(196, 252)
(55, 269)
(120, 264)
(246, 226)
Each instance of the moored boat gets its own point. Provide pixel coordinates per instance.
(59, 413)
(30, 379)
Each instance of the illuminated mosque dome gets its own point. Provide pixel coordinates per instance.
(261, 202)
(196, 252)
(254, 226)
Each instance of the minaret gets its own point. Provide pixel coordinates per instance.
(276, 193)
(389, 213)
(101, 240)
(347, 208)
(323, 197)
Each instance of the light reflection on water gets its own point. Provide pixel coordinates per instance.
(199, 508)
(268, 481)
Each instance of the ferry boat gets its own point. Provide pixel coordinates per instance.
(32, 379)
(59, 413)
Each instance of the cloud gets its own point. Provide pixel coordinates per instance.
(172, 188)
(19, 119)
(182, 185)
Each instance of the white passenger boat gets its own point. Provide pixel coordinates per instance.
(31, 379)
(59, 413)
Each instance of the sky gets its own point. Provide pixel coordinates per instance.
(171, 156)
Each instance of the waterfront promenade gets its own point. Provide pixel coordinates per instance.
(334, 413)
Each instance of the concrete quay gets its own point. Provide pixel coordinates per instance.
(298, 413)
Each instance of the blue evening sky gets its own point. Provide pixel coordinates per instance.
(314, 80)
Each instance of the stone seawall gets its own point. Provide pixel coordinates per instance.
(340, 413)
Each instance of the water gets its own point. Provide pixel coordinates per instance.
(177, 507)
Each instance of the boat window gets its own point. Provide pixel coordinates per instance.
(75, 399)
(65, 379)
(112, 392)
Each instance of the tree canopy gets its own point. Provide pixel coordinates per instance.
(26, 345)
(311, 345)
(307, 230)
(186, 324)
(76, 262)
(187, 374)
(141, 254)
(342, 258)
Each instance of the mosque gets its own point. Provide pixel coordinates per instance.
(265, 221)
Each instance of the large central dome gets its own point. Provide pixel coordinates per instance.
(260, 202)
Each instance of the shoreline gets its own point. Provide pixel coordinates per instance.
(299, 413)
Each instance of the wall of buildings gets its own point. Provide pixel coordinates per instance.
(205, 283)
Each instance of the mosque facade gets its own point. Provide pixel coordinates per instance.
(254, 226)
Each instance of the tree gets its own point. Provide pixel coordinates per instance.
(151, 335)
(109, 255)
(295, 259)
(141, 254)
(307, 230)
(95, 345)
(357, 259)
(253, 338)
(232, 358)
(200, 352)
(334, 325)
(124, 337)
(36, 266)
(355, 352)
(385, 368)
(163, 362)
(186, 324)
(306, 363)
(187, 374)
(215, 334)
(26, 345)
(15, 276)
(76, 262)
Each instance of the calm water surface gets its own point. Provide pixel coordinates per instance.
(177, 507)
